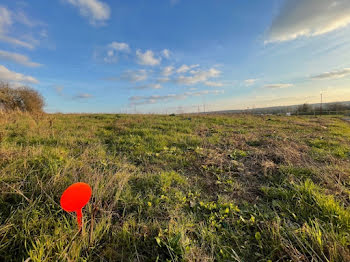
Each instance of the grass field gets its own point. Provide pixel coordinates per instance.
(176, 188)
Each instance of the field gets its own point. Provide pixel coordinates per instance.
(176, 188)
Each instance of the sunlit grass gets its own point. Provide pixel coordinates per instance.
(176, 188)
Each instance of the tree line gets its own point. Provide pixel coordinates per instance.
(333, 107)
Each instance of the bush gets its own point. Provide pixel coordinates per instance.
(23, 98)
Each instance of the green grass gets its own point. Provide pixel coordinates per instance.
(176, 188)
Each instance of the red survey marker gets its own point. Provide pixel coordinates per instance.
(74, 198)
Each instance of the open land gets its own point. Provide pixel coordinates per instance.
(176, 188)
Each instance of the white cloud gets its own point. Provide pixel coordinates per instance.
(17, 58)
(156, 86)
(141, 100)
(7, 19)
(278, 86)
(166, 53)
(198, 77)
(205, 92)
(250, 82)
(15, 41)
(300, 18)
(147, 58)
(111, 57)
(9, 76)
(83, 96)
(214, 84)
(113, 50)
(185, 68)
(119, 46)
(135, 76)
(150, 86)
(96, 11)
(22, 18)
(168, 71)
(333, 75)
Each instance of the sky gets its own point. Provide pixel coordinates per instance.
(174, 56)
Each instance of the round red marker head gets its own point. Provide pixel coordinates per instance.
(75, 197)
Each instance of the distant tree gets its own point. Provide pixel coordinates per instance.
(305, 108)
(337, 107)
(23, 98)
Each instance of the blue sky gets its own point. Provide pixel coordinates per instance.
(176, 55)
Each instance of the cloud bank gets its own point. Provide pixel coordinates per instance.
(333, 75)
(308, 18)
(278, 86)
(7, 75)
(17, 58)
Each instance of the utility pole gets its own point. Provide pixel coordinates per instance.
(321, 103)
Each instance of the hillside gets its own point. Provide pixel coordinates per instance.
(284, 109)
(176, 188)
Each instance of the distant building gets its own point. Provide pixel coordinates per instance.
(288, 114)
